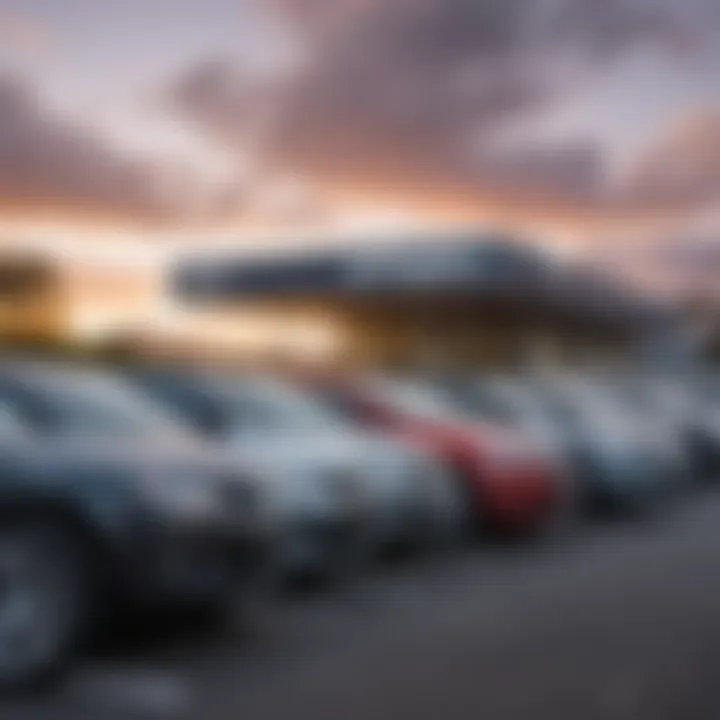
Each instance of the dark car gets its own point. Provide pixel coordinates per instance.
(106, 507)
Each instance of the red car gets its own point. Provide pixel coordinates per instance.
(510, 484)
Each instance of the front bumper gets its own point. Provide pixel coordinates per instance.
(322, 547)
(520, 498)
(631, 484)
(186, 565)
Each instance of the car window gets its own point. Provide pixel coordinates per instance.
(560, 408)
(183, 395)
(416, 399)
(89, 402)
(11, 426)
(265, 404)
(593, 404)
(338, 403)
(496, 404)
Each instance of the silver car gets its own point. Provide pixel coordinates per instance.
(335, 495)
(640, 460)
(694, 414)
(613, 462)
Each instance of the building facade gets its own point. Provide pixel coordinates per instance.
(470, 301)
(32, 304)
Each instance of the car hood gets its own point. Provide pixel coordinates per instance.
(153, 453)
(279, 450)
(483, 440)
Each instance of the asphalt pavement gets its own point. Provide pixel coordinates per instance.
(608, 621)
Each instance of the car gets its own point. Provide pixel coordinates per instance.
(665, 423)
(617, 460)
(341, 496)
(107, 510)
(694, 412)
(628, 464)
(509, 485)
(509, 402)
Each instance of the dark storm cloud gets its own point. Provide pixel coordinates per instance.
(415, 94)
(49, 163)
(458, 28)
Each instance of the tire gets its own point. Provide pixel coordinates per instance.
(44, 602)
(213, 617)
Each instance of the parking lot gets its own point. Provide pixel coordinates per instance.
(359, 360)
(617, 621)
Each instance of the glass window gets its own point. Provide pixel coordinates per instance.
(11, 426)
(262, 403)
(417, 399)
(92, 402)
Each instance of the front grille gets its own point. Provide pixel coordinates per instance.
(239, 497)
(345, 487)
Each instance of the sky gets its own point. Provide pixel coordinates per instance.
(155, 124)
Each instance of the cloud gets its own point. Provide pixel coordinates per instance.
(50, 164)
(682, 164)
(419, 96)
(23, 33)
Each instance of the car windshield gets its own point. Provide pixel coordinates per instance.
(636, 395)
(590, 402)
(11, 425)
(498, 402)
(98, 403)
(521, 399)
(417, 399)
(560, 406)
(267, 404)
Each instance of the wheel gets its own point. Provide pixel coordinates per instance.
(221, 615)
(43, 602)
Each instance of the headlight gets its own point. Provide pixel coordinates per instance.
(244, 498)
(183, 496)
(337, 490)
(347, 487)
(287, 491)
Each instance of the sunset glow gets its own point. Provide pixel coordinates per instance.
(137, 131)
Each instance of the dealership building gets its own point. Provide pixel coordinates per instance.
(49, 302)
(480, 300)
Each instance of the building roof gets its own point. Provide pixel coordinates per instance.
(485, 265)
